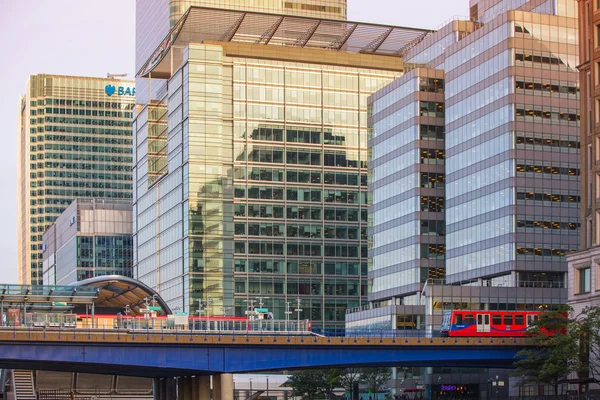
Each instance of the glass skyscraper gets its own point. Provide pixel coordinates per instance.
(92, 237)
(263, 197)
(75, 140)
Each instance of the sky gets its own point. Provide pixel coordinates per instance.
(93, 38)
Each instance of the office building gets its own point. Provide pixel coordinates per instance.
(92, 237)
(75, 141)
(582, 266)
(155, 18)
(510, 105)
(263, 193)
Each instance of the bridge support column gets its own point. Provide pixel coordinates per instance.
(216, 383)
(170, 389)
(159, 389)
(185, 388)
(203, 387)
(226, 387)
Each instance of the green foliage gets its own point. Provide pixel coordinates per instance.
(313, 384)
(374, 378)
(552, 350)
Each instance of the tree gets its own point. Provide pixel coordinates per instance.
(351, 381)
(375, 378)
(552, 351)
(585, 328)
(315, 383)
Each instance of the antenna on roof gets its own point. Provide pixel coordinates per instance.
(113, 76)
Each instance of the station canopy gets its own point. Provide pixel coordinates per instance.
(201, 23)
(116, 292)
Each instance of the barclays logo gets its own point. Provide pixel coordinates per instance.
(121, 91)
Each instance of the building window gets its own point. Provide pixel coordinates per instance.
(584, 275)
(597, 35)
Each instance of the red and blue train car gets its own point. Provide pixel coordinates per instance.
(482, 323)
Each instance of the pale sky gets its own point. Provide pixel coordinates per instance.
(92, 38)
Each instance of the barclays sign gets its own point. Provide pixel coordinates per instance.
(120, 91)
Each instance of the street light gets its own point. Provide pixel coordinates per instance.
(268, 387)
(298, 310)
(250, 388)
(208, 301)
(199, 313)
(287, 314)
(249, 312)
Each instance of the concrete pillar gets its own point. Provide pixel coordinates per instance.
(188, 386)
(216, 383)
(171, 389)
(195, 387)
(203, 388)
(226, 387)
(156, 389)
(181, 387)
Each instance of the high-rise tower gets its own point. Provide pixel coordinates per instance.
(74, 142)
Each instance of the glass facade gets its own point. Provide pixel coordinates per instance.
(154, 19)
(407, 158)
(270, 159)
(513, 150)
(75, 140)
(92, 237)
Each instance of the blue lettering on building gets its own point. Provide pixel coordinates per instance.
(121, 90)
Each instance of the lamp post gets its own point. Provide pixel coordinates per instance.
(249, 312)
(287, 314)
(208, 301)
(298, 310)
(199, 313)
(268, 387)
(260, 305)
(250, 388)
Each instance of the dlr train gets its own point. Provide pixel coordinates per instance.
(482, 323)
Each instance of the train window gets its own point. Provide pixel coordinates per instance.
(469, 319)
(531, 319)
(458, 319)
(496, 319)
(519, 320)
(508, 319)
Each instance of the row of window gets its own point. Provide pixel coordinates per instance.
(83, 184)
(86, 139)
(276, 133)
(85, 166)
(94, 113)
(548, 169)
(542, 252)
(301, 249)
(300, 176)
(118, 194)
(553, 225)
(87, 157)
(299, 212)
(300, 267)
(86, 121)
(432, 203)
(317, 157)
(525, 85)
(526, 113)
(306, 288)
(76, 147)
(547, 143)
(549, 197)
(82, 103)
(433, 109)
(296, 230)
(433, 180)
(301, 194)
